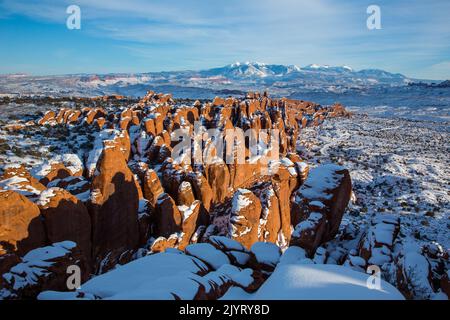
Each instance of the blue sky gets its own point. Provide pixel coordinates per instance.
(156, 35)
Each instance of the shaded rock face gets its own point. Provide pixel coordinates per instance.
(57, 171)
(43, 269)
(21, 227)
(421, 273)
(66, 218)
(114, 205)
(319, 206)
(414, 276)
(6, 262)
(168, 217)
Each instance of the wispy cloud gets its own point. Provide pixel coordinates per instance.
(415, 34)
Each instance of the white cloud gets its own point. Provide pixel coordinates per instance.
(438, 71)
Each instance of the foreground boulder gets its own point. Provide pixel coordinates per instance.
(204, 272)
(321, 282)
(158, 276)
(43, 269)
(319, 206)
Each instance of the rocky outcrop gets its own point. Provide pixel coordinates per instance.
(319, 206)
(414, 277)
(219, 179)
(378, 243)
(19, 179)
(65, 217)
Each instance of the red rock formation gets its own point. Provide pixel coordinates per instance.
(21, 228)
(114, 205)
(324, 195)
(185, 194)
(162, 243)
(152, 188)
(202, 189)
(244, 220)
(17, 178)
(168, 218)
(191, 216)
(270, 221)
(219, 179)
(178, 202)
(49, 115)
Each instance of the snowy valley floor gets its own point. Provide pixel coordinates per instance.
(397, 166)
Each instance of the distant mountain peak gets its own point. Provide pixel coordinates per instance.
(247, 63)
(327, 67)
(264, 69)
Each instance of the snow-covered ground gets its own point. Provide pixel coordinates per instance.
(397, 166)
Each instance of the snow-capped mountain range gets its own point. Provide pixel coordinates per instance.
(233, 78)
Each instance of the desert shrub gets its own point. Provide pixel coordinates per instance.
(18, 152)
(4, 147)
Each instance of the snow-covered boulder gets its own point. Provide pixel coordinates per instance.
(207, 253)
(319, 205)
(157, 276)
(321, 282)
(42, 269)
